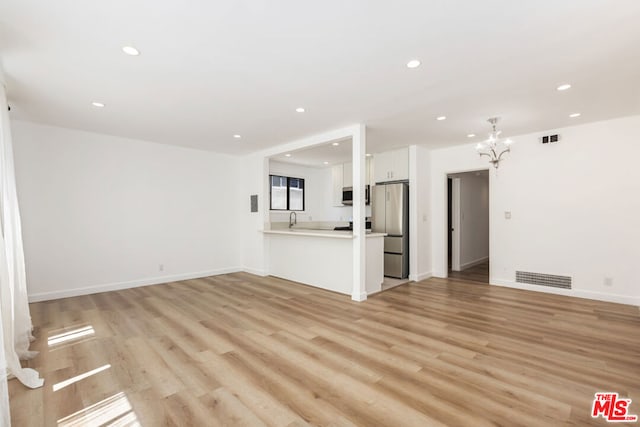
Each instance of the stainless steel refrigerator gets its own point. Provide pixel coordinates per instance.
(391, 216)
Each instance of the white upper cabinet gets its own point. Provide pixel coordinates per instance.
(347, 177)
(391, 165)
(400, 164)
(337, 174)
(382, 166)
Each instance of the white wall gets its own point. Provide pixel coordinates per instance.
(101, 212)
(474, 218)
(574, 204)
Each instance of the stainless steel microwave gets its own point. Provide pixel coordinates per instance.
(347, 195)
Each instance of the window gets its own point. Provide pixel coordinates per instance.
(287, 194)
(278, 192)
(296, 194)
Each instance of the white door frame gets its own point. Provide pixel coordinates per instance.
(444, 263)
(455, 224)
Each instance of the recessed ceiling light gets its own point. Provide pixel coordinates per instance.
(414, 63)
(97, 104)
(574, 115)
(335, 144)
(441, 118)
(236, 136)
(471, 135)
(130, 50)
(368, 154)
(300, 110)
(326, 163)
(287, 155)
(564, 87)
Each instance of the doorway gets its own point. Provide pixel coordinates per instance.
(468, 226)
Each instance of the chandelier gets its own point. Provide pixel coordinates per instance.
(494, 148)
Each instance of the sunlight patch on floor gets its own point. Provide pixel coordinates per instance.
(115, 410)
(127, 420)
(72, 335)
(63, 384)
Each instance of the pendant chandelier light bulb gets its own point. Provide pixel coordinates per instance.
(493, 147)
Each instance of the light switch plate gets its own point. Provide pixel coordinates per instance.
(507, 215)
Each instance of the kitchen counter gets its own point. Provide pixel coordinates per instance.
(323, 258)
(334, 234)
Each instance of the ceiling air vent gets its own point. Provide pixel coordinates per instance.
(550, 139)
(540, 279)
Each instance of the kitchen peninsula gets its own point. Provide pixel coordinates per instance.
(323, 258)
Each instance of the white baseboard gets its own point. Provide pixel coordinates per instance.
(420, 276)
(578, 293)
(359, 298)
(255, 272)
(46, 296)
(473, 263)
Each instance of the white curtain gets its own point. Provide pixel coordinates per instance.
(14, 306)
(5, 416)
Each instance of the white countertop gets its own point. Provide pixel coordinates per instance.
(335, 234)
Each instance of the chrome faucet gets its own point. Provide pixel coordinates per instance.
(293, 221)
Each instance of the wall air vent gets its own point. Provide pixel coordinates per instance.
(550, 139)
(540, 279)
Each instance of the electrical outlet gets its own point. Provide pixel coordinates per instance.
(424, 218)
(310, 218)
(507, 215)
(608, 281)
(160, 267)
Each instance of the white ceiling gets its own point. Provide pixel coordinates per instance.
(316, 156)
(209, 70)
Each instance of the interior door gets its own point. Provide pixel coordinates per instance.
(449, 221)
(455, 224)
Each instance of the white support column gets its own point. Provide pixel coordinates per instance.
(359, 147)
(255, 178)
(265, 194)
(413, 212)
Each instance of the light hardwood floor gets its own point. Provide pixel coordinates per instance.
(477, 273)
(243, 350)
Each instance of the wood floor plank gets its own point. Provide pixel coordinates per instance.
(228, 410)
(244, 350)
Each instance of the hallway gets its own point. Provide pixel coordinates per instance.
(478, 273)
